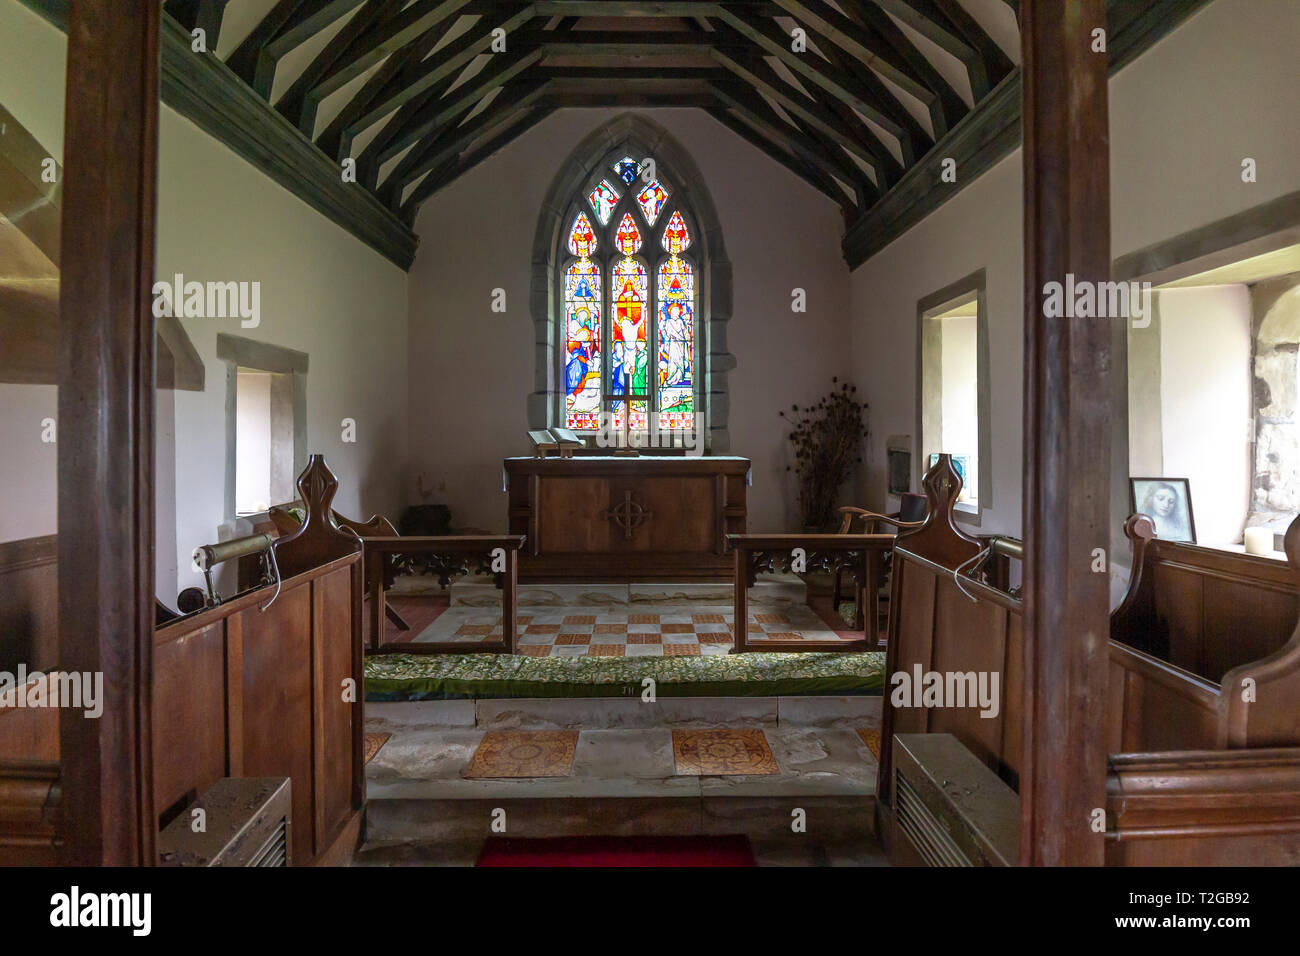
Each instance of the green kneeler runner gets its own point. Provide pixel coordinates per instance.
(397, 677)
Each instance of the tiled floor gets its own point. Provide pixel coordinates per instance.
(622, 632)
(526, 753)
(722, 752)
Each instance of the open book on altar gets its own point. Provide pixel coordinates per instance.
(560, 440)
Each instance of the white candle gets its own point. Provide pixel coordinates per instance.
(1259, 541)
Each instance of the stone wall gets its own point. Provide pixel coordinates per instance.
(1275, 477)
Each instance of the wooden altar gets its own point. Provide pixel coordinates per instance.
(620, 518)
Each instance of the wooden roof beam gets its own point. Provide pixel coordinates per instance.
(944, 104)
(205, 15)
(289, 24)
(459, 101)
(877, 104)
(812, 176)
(758, 113)
(421, 74)
(879, 44)
(865, 145)
(298, 104)
(435, 152)
(441, 178)
(384, 38)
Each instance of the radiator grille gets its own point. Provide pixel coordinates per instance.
(927, 834)
(274, 851)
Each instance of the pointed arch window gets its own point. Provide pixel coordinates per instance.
(629, 265)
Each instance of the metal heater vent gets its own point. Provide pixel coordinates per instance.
(244, 822)
(949, 808)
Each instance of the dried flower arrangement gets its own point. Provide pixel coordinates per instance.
(827, 439)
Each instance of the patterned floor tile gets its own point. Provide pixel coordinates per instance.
(707, 619)
(681, 650)
(871, 737)
(373, 743)
(473, 630)
(610, 629)
(644, 639)
(533, 650)
(771, 619)
(720, 637)
(717, 752)
(643, 618)
(606, 650)
(542, 628)
(782, 636)
(572, 638)
(523, 753)
(579, 619)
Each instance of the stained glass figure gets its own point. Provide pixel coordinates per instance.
(629, 341)
(603, 199)
(651, 199)
(676, 335)
(582, 241)
(628, 237)
(676, 237)
(628, 169)
(582, 302)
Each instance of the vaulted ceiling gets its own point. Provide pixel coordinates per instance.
(888, 107)
(418, 92)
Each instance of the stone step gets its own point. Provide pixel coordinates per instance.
(446, 823)
(611, 713)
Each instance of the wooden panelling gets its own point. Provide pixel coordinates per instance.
(29, 603)
(189, 705)
(277, 691)
(568, 515)
(607, 518)
(333, 725)
(1228, 808)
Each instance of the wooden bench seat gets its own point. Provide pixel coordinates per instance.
(1204, 767)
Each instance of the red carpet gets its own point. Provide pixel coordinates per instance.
(617, 851)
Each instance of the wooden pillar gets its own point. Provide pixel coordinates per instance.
(1067, 433)
(106, 426)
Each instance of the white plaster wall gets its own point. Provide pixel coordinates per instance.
(1220, 87)
(322, 292)
(1205, 379)
(253, 441)
(471, 369)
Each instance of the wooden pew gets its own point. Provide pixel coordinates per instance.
(267, 684)
(1201, 771)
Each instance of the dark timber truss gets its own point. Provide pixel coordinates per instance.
(866, 109)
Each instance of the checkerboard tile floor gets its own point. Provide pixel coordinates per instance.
(664, 631)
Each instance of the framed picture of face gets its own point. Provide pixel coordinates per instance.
(1167, 502)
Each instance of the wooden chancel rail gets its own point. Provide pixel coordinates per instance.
(446, 556)
(266, 684)
(861, 554)
(1203, 768)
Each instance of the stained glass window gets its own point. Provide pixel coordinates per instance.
(630, 323)
(603, 199)
(651, 200)
(628, 169)
(582, 336)
(629, 355)
(676, 327)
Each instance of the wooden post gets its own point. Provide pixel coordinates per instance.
(509, 599)
(740, 619)
(106, 426)
(1067, 434)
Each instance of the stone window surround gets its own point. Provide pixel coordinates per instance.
(638, 137)
(237, 353)
(926, 309)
